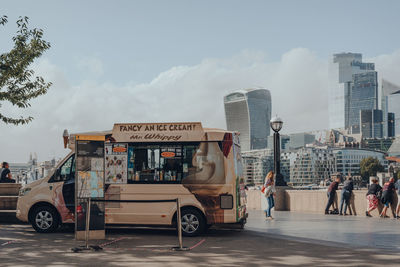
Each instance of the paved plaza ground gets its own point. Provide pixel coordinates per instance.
(289, 240)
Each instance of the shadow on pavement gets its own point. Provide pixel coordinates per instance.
(222, 247)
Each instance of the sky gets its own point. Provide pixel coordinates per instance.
(157, 61)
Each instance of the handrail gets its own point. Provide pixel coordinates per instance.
(178, 215)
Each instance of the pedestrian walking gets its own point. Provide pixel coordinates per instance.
(269, 193)
(345, 195)
(331, 193)
(397, 186)
(387, 196)
(372, 196)
(5, 176)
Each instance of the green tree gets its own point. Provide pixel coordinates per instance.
(369, 167)
(17, 82)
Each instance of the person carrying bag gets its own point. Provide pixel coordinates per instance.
(269, 192)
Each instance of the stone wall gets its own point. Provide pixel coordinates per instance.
(307, 201)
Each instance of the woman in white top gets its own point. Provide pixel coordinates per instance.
(269, 193)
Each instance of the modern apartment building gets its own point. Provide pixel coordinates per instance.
(310, 165)
(248, 111)
(353, 87)
(256, 164)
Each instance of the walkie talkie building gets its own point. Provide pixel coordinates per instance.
(248, 111)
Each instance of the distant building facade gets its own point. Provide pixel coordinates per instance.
(390, 99)
(299, 140)
(371, 123)
(353, 87)
(256, 165)
(248, 111)
(348, 159)
(391, 124)
(284, 141)
(32, 170)
(379, 144)
(309, 165)
(394, 149)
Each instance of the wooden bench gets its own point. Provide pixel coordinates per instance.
(8, 201)
(9, 189)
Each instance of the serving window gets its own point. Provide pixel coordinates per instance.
(160, 163)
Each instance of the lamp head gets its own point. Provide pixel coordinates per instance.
(276, 124)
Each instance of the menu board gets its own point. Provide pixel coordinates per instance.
(116, 161)
(90, 169)
(89, 183)
(90, 148)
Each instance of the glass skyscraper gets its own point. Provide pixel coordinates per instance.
(248, 111)
(353, 87)
(371, 123)
(390, 102)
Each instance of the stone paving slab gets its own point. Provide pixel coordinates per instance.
(351, 231)
(20, 245)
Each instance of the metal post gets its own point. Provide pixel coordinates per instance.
(179, 221)
(179, 227)
(279, 181)
(277, 154)
(87, 223)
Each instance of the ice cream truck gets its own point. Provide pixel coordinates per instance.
(144, 161)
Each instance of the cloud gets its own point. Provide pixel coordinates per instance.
(93, 66)
(298, 85)
(388, 66)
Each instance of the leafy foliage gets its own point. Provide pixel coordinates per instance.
(369, 167)
(17, 82)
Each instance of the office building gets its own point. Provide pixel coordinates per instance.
(390, 99)
(299, 140)
(348, 159)
(379, 144)
(353, 87)
(391, 125)
(248, 111)
(284, 141)
(371, 123)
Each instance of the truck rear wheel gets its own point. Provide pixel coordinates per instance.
(192, 222)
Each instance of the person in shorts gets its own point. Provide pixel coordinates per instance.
(331, 193)
(387, 196)
(372, 196)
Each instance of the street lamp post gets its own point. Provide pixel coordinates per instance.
(276, 125)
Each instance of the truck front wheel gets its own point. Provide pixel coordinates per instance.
(44, 219)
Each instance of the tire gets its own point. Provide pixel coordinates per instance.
(193, 222)
(45, 219)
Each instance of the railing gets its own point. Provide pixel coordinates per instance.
(178, 219)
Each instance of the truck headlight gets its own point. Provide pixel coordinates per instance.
(24, 191)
